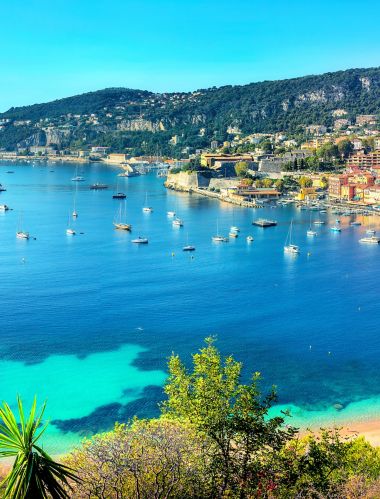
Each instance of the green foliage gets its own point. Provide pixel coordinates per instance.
(265, 107)
(241, 168)
(34, 474)
(305, 182)
(232, 415)
(143, 459)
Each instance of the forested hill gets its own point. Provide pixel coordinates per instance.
(202, 115)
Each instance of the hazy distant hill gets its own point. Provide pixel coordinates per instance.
(125, 117)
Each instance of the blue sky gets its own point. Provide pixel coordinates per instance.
(53, 49)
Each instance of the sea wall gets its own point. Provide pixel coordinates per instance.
(186, 181)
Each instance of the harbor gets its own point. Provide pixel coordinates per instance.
(129, 315)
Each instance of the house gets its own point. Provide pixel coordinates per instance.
(371, 195)
(366, 119)
(307, 194)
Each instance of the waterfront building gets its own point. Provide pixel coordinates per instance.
(307, 194)
(117, 158)
(254, 194)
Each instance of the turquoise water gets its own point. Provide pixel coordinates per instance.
(88, 322)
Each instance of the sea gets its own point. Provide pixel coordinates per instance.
(88, 322)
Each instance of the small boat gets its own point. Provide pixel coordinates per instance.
(261, 222)
(120, 223)
(77, 179)
(355, 224)
(177, 222)
(319, 222)
(370, 232)
(171, 214)
(70, 232)
(75, 214)
(140, 240)
(188, 248)
(337, 221)
(2, 189)
(147, 209)
(310, 231)
(10, 171)
(98, 187)
(22, 235)
(233, 234)
(334, 228)
(249, 239)
(119, 195)
(234, 229)
(289, 246)
(4, 207)
(322, 211)
(370, 240)
(218, 238)
(121, 226)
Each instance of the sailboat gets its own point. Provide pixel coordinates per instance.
(75, 213)
(371, 231)
(310, 231)
(289, 246)
(146, 208)
(218, 238)
(21, 234)
(177, 222)
(117, 194)
(77, 177)
(70, 231)
(188, 246)
(119, 223)
(234, 228)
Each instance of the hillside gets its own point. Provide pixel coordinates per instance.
(125, 118)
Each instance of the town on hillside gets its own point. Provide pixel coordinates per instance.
(341, 163)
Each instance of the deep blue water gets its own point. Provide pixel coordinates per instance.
(310, 323)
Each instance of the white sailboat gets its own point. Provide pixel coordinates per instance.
(218, 238)
(177, 222)
(370, 240)
(21, 234)
(146, 208)
(310, 231)
(289, 246)
(75, 213)
(77, 177)
(70, 231)
(120, 223)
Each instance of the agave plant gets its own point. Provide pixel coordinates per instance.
(34, 473)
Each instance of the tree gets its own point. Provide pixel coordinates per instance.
(267, 182)
(345, 148)
(145, 459)
(305, 182)
(34, 474)
(279, 185)
(241, 168)
(232, 415)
